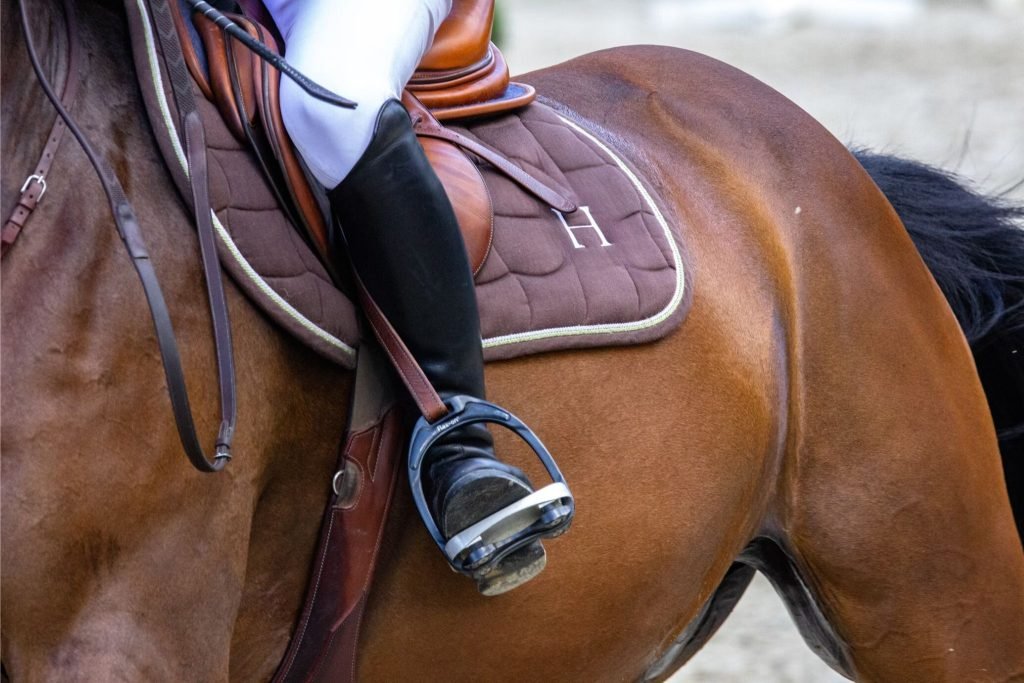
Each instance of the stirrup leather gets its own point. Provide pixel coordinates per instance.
(544, 513)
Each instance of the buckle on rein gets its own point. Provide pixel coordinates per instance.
(546, 512)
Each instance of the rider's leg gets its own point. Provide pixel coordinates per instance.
(400, 230)
(366, 51)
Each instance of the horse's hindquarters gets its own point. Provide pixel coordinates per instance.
(820, 393)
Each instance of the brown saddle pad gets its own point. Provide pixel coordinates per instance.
(610, 273)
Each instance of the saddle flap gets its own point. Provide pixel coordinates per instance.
(465, 188)
(266, 83)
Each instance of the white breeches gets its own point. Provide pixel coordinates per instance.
(364, 50)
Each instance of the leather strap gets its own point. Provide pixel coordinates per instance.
(196, 146)
(409, 371)
(323, 646)
(35, 185)
(131, 235)
(426, 126)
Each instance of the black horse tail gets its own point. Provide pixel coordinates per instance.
(974, 246)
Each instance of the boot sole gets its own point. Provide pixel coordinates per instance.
(476, 496)
(518, 568)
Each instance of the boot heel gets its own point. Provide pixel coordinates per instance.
(513, 571)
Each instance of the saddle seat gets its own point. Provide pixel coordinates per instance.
(464, 74)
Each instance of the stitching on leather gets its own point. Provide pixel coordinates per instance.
(312, 602)
(490, 234)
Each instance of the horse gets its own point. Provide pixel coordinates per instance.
(818, 418)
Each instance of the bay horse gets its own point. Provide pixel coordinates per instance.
(818, 418)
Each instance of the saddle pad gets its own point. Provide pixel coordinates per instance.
(611, 273)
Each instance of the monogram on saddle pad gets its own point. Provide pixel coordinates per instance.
(569, 246)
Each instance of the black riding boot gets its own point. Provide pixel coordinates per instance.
(402, 236)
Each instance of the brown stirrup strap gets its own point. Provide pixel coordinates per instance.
(409, 371)
(426, 126)
(35, 185)
(131, 236)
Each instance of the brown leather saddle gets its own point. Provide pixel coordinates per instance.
(462, 76)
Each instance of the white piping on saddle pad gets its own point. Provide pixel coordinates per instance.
(222, 233)
(492, 342)
(611, 328)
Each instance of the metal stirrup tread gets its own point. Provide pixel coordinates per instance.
(476, 550)
(543, 513)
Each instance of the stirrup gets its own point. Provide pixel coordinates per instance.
(544, 513)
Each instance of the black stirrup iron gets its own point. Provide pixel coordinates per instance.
(544, 513)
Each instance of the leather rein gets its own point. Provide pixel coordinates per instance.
(131, 236)
(424, 395)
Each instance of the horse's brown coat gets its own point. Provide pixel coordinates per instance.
(820, 393)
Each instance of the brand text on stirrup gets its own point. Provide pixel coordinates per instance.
(446, 425)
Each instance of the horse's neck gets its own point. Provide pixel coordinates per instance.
(71, 233)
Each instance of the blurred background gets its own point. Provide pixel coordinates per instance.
(938, 80)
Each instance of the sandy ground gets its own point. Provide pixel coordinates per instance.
(941, 82)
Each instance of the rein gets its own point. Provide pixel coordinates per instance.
(131, 235)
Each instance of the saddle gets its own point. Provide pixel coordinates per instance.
(462, 76)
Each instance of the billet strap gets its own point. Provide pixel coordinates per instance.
(35, 185)
(131, 235)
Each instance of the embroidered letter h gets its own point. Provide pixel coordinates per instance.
(592, 224)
